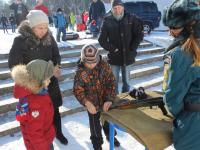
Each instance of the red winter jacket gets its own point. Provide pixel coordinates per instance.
(43, 8)
(38, 130)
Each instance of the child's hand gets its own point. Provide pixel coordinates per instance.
(90, 107)
(106, 106)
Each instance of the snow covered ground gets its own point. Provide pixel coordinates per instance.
(76, 127)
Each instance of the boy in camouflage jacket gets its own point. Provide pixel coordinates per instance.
(94, 88)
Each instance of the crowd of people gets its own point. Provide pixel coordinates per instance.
(35, 59)
(19, 11)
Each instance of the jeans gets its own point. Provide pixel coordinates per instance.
(125, 71)
(96, 28)
(59, 30)
(13, 28)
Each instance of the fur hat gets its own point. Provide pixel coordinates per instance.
(40, 70)
(89, 54)
(116, 2)
(36, 17)
(181, 12)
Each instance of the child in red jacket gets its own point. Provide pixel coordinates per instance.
(34, 110)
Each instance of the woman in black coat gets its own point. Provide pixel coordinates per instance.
(36, 42)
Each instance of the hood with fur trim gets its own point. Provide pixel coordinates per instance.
(22, 79)
(26, 32)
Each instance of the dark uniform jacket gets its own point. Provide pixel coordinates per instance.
(124, 35)
(96, 85)
(26, 47)
(182, 87)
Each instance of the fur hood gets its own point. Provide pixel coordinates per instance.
(26, 32)
(21, 78)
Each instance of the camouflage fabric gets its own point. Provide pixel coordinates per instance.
(96, 85)
(181, 12)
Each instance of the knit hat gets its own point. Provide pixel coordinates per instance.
(181, 12)
(36, 17)
(40, 70)
(116, 2)
(89, 54)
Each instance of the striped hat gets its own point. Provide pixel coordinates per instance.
(89, 54)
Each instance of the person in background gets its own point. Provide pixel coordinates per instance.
(96, 14)
(40, 6)
(4, 22)
(94, 87)
(34, 110)
(36, 42)
(60, 23)
(121, 34)
(72, 20)
(182, 73)
(20, 11)
(12, 22)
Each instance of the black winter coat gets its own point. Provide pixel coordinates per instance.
(97, 10)
(20, 12)
(124, 35)
(26, 47)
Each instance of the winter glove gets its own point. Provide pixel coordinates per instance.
(138, 93)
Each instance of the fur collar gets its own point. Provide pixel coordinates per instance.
(27, 33)
(21, 78)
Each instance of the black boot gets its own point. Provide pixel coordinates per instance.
(58, 127)
(62, 139)
(100, 148)
(116, 142)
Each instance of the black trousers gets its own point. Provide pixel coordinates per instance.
(51, 147)
(57, 121)
(95, 130)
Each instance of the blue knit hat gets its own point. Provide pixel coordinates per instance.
(116, 2)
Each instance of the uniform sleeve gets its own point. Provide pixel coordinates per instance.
(104, 38)
(15, 55)
(137, 32)
(179, 81)
(35, 128)
(79, 89)
(56, 55)
(110, 84)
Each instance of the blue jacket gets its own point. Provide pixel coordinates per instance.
(182, 86)
(60, 21)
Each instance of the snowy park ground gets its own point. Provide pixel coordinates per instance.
(76, 126)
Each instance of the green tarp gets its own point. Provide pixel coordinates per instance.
(149, 126)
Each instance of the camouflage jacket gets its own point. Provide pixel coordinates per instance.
(96, 85)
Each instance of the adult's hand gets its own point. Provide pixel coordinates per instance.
(57, 71)
(90, 107)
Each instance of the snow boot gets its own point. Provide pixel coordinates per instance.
(116, 142)
(62, 139)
